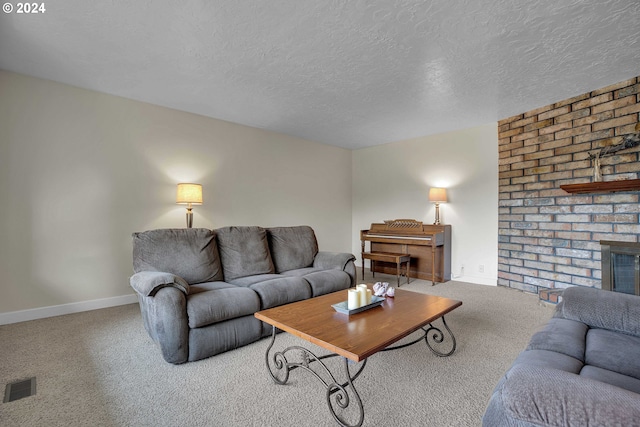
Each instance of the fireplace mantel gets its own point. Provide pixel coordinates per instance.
(603, 186)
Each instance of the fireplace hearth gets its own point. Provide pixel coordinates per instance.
(621, 266)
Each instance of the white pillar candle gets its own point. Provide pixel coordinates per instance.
(362, 288)
(368, 296)
(362, 293)
(353, 300)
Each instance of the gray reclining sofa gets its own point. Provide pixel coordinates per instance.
(198, 289)
(581, 369)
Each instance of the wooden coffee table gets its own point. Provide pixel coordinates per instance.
(353, 337)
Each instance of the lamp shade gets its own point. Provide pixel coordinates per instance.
(189, 194)
(438, 195)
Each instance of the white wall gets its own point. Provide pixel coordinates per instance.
(393, 180)
(81, 170)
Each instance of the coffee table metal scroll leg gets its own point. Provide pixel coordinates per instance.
(342, 397)
(438, 337)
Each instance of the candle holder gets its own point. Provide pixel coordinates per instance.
(343, 308)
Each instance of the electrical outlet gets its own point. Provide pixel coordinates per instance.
(481, 268)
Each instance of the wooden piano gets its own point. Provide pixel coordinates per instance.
(428, 245)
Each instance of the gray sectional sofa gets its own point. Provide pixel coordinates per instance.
(581, 369)
(198, 289)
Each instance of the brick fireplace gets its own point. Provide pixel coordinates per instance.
(550, 239)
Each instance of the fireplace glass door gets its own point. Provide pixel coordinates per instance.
(621, 267)
(624, 268)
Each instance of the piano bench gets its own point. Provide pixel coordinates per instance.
(399, 259)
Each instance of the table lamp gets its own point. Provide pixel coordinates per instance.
(189, 194)
(437, 196)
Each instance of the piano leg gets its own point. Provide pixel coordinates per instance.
(362, 245)
(408, 262)
(433, 265)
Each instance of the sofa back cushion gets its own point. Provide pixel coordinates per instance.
(191, 253)
(244, 251)
(292, 247)
(601, 309)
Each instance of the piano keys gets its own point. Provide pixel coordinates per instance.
(428, 245)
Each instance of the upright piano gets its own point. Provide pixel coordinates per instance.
(428, 245)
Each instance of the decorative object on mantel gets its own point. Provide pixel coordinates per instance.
(189, 194)
(629, 141)
(600, 186)
(437, 196)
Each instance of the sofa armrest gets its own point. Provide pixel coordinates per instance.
(148, 283)
(165, 317)
(336, 261)
(332, 260)
(601, 309)
(535, 396)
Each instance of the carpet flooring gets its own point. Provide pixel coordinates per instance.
(100, 368)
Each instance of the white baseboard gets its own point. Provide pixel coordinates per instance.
(58, 310)
(477, 280)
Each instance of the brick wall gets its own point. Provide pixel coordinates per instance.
(548, 238)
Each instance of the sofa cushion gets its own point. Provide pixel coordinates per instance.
(322, 281)
(190, 253)
(281, 290)
(534, 396)
(549, 360)
(602, 309)
(223, 336)
(209, 286)
(244, 251)
(215, 302)
(562, 336)
(292, 247)
(299, 272)
(603, 375)
(613, 351)
(250, 280)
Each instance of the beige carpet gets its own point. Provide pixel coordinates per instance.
(100, 368)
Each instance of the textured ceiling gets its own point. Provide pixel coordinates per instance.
(348, 73)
